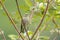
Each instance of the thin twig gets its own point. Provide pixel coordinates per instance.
(2, 34)
(7, 13)
(21, 18)
(53, 20)
(41, 20)
(43, 28)
(18, 8)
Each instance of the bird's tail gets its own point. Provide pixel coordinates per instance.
(22, 28)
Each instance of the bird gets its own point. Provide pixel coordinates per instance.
(25, 20)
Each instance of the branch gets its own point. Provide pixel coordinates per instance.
(41, 20)
(7, 13)
(21, 18)
(2, 34)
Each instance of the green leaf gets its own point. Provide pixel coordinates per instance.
(28, 2)
(13, 37)
(3, 0)
(24, 8)
(44, 37)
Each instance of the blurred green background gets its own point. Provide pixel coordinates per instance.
(8, 28)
